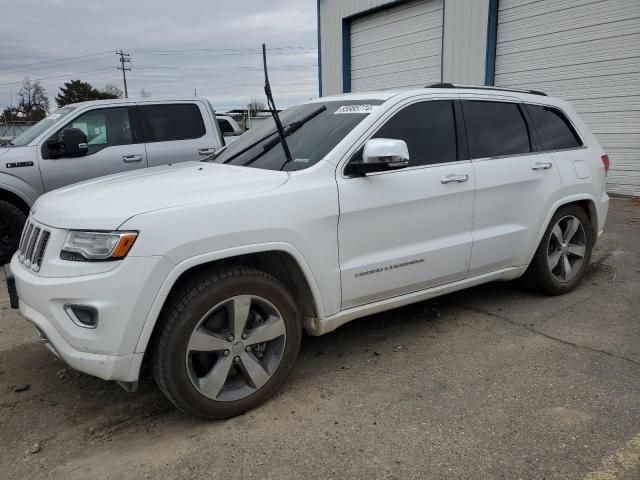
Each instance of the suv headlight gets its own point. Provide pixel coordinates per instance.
(88, 246)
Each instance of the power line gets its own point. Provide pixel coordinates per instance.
(58, 60)
(124, 58)
(226, 67)
(66, 75)
(221, 52)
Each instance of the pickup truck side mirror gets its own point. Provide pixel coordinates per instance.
(380, 155)
(74, 143)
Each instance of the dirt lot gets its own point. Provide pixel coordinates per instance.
(493, 382)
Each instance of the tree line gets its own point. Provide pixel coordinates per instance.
(33, 102)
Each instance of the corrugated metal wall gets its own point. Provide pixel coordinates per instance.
(331, 14)
(398, 47)
(464, 42)
(587, 52)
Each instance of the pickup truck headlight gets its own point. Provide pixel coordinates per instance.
(96, 246)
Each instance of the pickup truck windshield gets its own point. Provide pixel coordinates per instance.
(320, 129)
(28, 136)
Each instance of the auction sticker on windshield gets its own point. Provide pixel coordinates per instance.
(355, 109)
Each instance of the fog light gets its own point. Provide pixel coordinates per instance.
(82, 315)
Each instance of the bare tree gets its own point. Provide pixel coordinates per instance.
(255, 105)
(111, 90)
(33, 103)
(145, 93)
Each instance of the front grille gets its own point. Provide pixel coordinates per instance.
(33, 244)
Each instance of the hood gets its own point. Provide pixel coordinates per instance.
(106, 203)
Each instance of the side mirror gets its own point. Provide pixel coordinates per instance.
(74, 142)
(381, 154)
(54, 148)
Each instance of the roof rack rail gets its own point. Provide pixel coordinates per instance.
(478, 87)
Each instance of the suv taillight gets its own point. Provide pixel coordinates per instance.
(605, 162)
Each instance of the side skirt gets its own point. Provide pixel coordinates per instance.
(316, 326)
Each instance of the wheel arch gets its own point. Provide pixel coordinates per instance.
(9, 195)
(584, 201)
(282, 261)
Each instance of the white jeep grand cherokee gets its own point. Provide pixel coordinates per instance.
(211, 270)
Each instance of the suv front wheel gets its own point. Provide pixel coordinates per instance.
(564, 253)
(227, 343)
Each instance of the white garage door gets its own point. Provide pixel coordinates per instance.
(397, 47)
(587, 52)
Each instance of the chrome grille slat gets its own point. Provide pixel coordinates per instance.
(32, 245)
(27, 236)
(36, 246)
(24, 233)
(39, 252)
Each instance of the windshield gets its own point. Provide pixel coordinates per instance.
(326, 124)
(28, 136)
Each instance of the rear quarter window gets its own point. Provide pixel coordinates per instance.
(553, 128)
(495, 129)
(176, 121)
(225, 126)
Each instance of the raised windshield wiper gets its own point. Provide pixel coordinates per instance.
(274, 110)
(293, 126)
(248, 147)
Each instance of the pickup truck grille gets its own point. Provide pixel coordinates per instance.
(33, 244)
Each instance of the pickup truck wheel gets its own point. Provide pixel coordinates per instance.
(11, 223)
(564, 252)
(227, 343)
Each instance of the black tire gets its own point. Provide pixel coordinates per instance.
(540, 275)
(12, 221)
(183, 314)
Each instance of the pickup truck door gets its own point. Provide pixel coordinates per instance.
(114, 146)
(407, 230)
(178, 131)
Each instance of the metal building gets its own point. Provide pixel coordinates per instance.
(585, 51)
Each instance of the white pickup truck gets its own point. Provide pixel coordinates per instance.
(211, 270)
(92, 139)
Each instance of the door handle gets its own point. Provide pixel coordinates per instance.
(132, 158)
(542, 166)
(454, 178)
(206, 151)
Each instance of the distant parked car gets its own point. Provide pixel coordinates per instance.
(229, 128)
(92, 139)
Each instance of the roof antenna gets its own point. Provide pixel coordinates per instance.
(272, 107)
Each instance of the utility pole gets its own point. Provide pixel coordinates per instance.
(124, 58)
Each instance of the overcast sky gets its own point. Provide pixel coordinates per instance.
(175, 46)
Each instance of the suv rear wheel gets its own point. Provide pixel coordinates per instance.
(227, 343)
(564, 252)
(11, 223)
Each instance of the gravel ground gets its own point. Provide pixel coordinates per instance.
(493, 382)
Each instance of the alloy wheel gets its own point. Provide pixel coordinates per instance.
(566, 249)
(235, 348)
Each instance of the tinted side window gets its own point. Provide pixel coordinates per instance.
(104, 127)
(225, 126)
(429, 130)
(164, 123)
(495, 128)
(554, 130)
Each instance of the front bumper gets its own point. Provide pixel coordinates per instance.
(122, 296)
